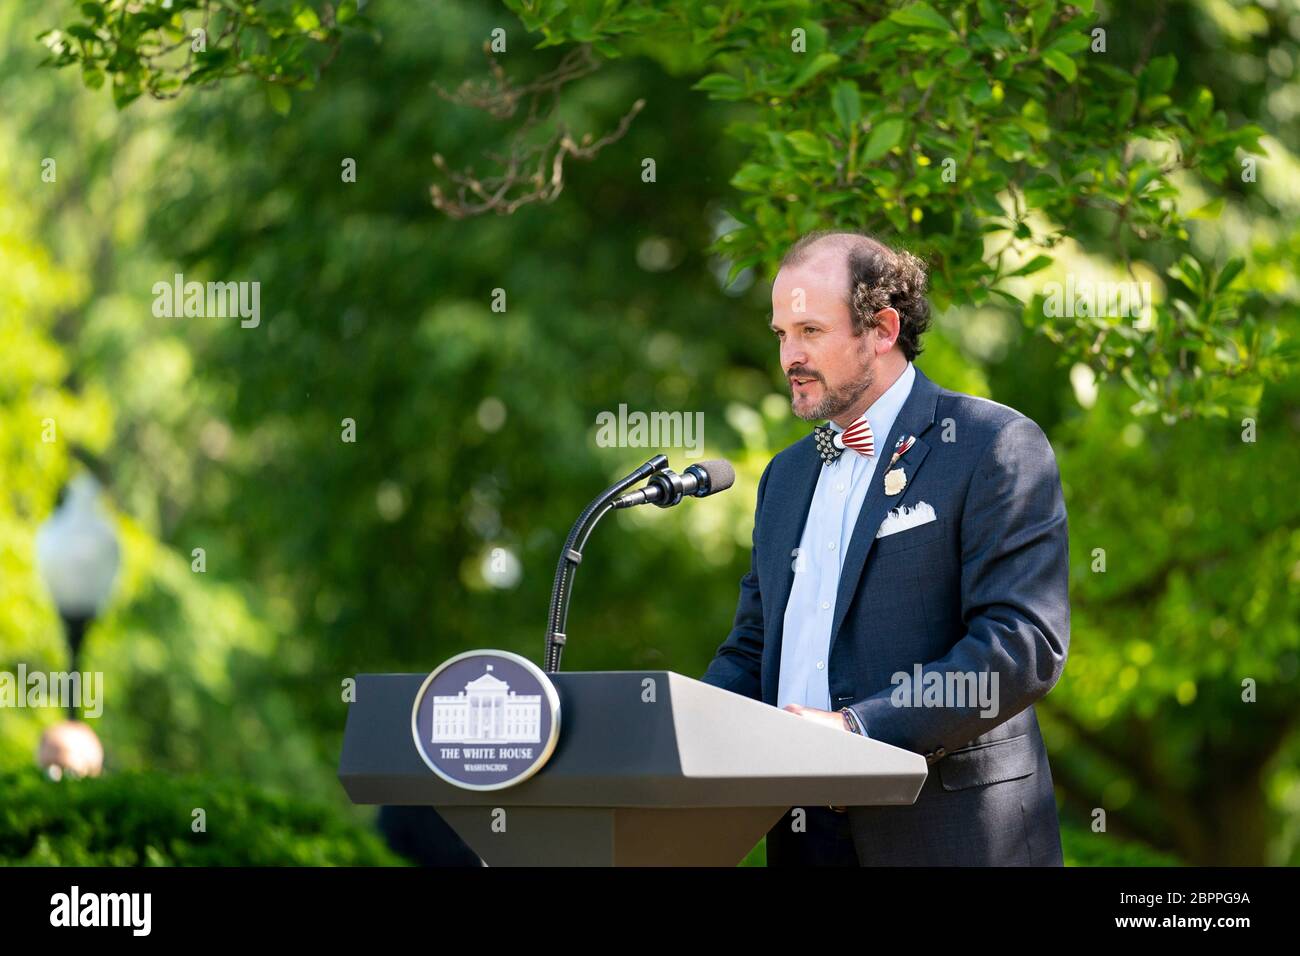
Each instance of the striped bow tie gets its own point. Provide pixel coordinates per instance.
(831, 444)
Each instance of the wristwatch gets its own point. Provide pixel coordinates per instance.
(851, 722)
(853, 726)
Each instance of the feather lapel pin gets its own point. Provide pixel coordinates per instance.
(895, 478)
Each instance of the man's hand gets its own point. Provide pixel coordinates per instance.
(827, 718)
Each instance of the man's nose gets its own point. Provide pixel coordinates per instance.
(793, 353)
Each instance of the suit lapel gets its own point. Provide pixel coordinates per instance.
(916, 415)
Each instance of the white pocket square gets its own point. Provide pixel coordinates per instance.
(900, 519)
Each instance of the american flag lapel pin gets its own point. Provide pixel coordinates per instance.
(895, 478)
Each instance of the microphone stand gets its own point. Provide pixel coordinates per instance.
(571, 557)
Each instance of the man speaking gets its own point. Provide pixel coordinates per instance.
(909, 575)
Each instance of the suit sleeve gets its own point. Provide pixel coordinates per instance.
(1014, 598)
(737, 665)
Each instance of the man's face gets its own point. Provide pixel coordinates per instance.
(827, 366)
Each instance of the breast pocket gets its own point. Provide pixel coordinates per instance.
(910, 537)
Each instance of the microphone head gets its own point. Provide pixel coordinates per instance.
(717, 475)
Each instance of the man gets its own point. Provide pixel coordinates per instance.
(909, 575)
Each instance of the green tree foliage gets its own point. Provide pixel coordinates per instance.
(476, 428)
(160, 47)
(986, 135)
(82, 380)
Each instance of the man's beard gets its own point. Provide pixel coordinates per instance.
(837, 401)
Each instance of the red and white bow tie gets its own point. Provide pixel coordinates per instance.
(831, 444)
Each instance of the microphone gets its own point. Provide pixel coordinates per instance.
(667, 488)
(571, 556)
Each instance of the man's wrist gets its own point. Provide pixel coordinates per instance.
(851, 721)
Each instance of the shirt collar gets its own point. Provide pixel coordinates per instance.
(884, 410)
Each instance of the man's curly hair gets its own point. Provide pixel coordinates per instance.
(879, 277)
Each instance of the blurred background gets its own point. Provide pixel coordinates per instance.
(264, 560)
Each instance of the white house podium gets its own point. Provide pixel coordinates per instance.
(651, 769)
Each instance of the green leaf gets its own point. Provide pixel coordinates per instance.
(924, 77)
(1159, 75)
(820, 64)
(1040, 18)
(305, 18)
(1188, 271)
(1036, 264)
(956, 56)
(1060, 63)
(1011, 299)
(846, 101)
(1231, 269)
(1211, 210)
(807, 143)
(1125, 106)
(753, 177)
(721, 86)
(1010, 141)
(737, 267)
(922, 16)
(1071, 42)
(124, 94)
(278, 98)
(1202, 106)
(1143, 180)
(1033, 120)
(885, 135)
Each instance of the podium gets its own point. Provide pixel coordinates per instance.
(651, 769)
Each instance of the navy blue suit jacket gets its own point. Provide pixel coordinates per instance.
(983, 588)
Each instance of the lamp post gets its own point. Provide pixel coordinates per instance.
(78, 556)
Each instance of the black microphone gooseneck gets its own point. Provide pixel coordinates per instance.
(571, 557)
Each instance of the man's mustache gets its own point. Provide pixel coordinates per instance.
(802, 373)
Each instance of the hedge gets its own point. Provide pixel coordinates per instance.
(1080, 846)
(147, 819)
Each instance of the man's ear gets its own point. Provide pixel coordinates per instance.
(889, 317)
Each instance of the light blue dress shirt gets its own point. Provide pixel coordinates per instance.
(841, 489)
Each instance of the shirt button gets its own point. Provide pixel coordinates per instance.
(821, 665)
(831, 545)
(840, 486)
(826, 605)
